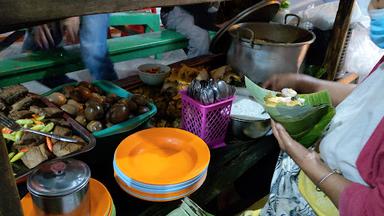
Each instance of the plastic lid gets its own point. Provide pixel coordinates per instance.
(58, 178)
(263, 11)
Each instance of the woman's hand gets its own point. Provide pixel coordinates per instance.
(279, 81)
(285, 141)
(283, 138)
(299, 82)
(43, 37)
(310, 162)
(306, 84)
(71, 29)
(294, 149)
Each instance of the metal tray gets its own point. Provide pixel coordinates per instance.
(21, 171)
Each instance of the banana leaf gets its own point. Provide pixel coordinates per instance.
(303, 120)
(317, 131)
(189, 208)
(304, 123)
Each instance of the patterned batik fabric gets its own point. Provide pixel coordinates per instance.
(285, 198)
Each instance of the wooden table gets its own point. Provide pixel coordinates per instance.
(226, 166)
(18, 14)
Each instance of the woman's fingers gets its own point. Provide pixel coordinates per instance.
(71, 28)
(48, 35)
(42, 39)
(267, 84)
(280, 81)
(284, 136)
(38, 42)
(271, 83)
(73, 33)
(276, 132)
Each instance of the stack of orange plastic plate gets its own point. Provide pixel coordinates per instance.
(101, 201)
(161, 164)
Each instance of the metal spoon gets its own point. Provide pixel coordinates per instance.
(210, 95)
(216, 91)
(196, 90)
(223, 89)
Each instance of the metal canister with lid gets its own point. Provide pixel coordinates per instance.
(60, 187)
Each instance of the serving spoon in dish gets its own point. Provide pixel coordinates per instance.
(11, 124)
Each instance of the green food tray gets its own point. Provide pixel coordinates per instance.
(122, 127)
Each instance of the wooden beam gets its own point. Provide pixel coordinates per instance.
(16, 14)
(338, 37)
(9, 198)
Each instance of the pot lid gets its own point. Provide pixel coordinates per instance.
(58, 178)
(263, 11)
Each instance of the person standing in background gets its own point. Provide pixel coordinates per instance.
(91, 31)
(194, 22)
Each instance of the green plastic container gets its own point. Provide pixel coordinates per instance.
(122, 127)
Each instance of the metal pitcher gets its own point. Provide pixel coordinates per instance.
(60, 188)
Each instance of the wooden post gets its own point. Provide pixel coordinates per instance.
(339, 34)
(9, 196)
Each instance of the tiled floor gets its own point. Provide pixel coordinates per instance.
(123, 69)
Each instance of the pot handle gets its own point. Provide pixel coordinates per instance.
(247, 30)
(292, 15)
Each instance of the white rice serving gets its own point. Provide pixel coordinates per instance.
(245, 107)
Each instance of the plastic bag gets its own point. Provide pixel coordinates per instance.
(362, 53)
(323, 16)
(300, 5)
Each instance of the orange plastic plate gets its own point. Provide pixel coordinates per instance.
(101, 200)
(162, 156)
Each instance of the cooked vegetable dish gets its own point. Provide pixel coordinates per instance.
(30, 111)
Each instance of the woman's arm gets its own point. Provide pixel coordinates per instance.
(311, 164)
(338, 91)
(307, 84)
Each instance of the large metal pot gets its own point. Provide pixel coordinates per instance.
(60, 187)
(259, 50)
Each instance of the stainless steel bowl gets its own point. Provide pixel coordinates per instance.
(249, 128)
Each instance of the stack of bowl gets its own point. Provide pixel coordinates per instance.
(161, 164)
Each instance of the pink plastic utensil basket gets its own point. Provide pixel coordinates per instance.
(209, 122)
